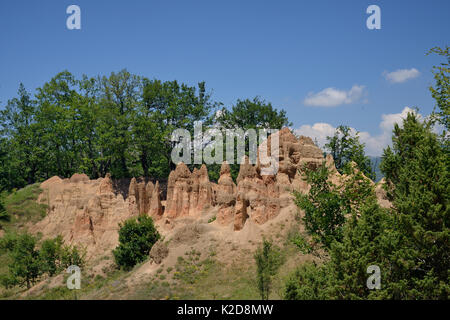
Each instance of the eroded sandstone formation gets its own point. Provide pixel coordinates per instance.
(155, 207)
(84, 212)
(88, 212)
(188, 193)
(256, 196)
(260, 197)
(225, 196)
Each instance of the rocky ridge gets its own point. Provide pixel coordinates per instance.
(88, 212)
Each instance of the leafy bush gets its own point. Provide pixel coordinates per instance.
(28, 263)
(72, 255)
(50, 255)
(136, 238)
(324, 207)
(25, 267)
(4, 216)
(8, 242)
(268, 260)
(345, 147)
(308, 282)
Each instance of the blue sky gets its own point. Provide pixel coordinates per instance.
(299, 55)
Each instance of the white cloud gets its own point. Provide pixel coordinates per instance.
(374, 144)
(332, 97)
(401, 75)
(318, 131)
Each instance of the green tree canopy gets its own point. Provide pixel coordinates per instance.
(441, 90)
(121, 124)
(410, 243)
(418, 183)
(323, 206)
(345, 147)
(25, 266)
(253, 114)
(28, 262)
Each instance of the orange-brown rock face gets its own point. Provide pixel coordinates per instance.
(88, 212)
(133, 197)
(149, 193)
(260, 197)
(294, 153)
(143, 199)
(139, 196)
(241, 215)
(155, 206)
(84, 212)
(188, 193)
(225, 196)
(204, 187)
(226, 183)
(106, 187)
(179, 189)
(78, 177)
(256, 199)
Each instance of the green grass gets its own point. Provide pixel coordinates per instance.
(199, 275)
(236, 281)
(212, 219)
(233, 282)
(196, 277)
(22, 207)
(101, 286)
(190, 269)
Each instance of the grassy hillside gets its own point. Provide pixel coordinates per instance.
(194, 273)
(195, 276)
(20, 209)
